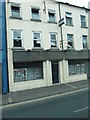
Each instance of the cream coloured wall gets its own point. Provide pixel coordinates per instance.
(76, 29)
(27, 26)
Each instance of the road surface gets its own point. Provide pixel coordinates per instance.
(68, 105)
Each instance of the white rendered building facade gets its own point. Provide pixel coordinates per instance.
(41, 49)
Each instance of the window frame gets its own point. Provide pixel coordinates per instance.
(37, 39)
(50, 33)
(70, 41)
(24, 67)
(15, 38)
(84, 42)
(76, 65)
(70, 17)
(53, 12)
(36, 8)
(16, 5)
(83, 21)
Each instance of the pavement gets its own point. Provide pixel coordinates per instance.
(27, 95)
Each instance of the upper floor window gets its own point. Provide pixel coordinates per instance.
(84, 41)
(70, 41)
(37, 39)
(68, 18)
(51, 15)
(53, 39)
(17, 38)
(35, 12)
(83, 21)
(15, 10)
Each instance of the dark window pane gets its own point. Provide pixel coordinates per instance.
(51, 17)
(36, 44)
(68, 21)
(15, 11)
(17, 43)
(35, 13)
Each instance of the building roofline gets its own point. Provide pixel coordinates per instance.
(66, 3)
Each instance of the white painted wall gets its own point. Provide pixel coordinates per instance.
(27, 26)
(76, 29)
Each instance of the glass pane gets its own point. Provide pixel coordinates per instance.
(68, 21)
(37, 44)
(69, 37)
(82, 18)
(15, 11)
(36, 36)
(78, 68)
(53, 37)
(33, 71)
(19, 74)
(83, 24)
(17, 43)
(70, 40)
(30, 74)
(35, 14)
(84, 39)
(51, 17)
(53, 44)
(38, 73)
(17, 34)
(82, 69)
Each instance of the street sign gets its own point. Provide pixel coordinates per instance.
(61, 22)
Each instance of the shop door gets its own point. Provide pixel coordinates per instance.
(55, 71)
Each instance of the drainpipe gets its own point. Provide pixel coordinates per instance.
(4, 51)
(60, 25)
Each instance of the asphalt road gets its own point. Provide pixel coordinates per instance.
(71, 105)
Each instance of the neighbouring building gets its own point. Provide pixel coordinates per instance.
(47, 43)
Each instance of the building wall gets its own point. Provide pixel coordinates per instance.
(34, 26)
(27, 26)
(76, 29)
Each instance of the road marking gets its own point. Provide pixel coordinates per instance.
(81, 109)
(43, 98)
(71, 85)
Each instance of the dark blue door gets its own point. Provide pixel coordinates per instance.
(55, 72)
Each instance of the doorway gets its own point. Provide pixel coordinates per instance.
(55, 72)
